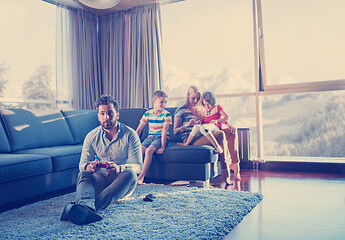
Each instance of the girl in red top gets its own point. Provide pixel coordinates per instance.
(215, 114)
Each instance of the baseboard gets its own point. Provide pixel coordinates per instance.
(291, 166)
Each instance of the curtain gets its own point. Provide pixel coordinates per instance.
(144, 54)
(87, 85)
(113, 38)
(117, 54)
(130, 43)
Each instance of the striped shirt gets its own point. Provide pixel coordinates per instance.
(156, 122)
(186, 116)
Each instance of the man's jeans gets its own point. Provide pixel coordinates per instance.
(96, 190)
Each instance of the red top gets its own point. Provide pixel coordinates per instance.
(214, 114)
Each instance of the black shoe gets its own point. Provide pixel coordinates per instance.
(65, 212)
(81, 215)
(149, 198)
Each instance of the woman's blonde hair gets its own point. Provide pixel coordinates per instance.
(193, 89)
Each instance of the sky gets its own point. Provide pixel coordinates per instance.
(303, 39)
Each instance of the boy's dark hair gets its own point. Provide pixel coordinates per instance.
(208, 97)
(159, 93)
(106, 100)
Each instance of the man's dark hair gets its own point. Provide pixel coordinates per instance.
(106, 100)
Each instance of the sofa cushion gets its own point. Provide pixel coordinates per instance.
(131, 117)
(34, 129)
(81, 122)
(17, 166)
(195, 154)
(63, 157)
(181, 171)
(4, 143)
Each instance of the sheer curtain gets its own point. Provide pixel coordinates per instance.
(77, 54)
(63, 58)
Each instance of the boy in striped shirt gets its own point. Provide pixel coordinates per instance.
(159, 120)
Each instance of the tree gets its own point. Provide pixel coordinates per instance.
(38, 87)
(3, 80)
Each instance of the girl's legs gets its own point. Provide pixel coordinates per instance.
(195, 131)
(212, 139)
(189, 140)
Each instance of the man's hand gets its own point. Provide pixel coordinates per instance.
(92, 166)
(160, 151)
(113, 168)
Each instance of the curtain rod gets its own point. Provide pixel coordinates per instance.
(163, 2)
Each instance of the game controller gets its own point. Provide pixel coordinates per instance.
(103, 165)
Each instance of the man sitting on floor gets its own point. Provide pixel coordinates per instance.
(109, 164)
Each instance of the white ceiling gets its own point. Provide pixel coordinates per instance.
(122, 5)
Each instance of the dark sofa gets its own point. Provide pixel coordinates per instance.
(40, 152)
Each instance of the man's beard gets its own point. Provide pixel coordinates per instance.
(108, 125)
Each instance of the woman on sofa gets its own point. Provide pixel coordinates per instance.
(190, 114)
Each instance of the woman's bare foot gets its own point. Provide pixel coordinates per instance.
(225, 173)
(236, 168)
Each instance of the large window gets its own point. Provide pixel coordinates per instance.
(301, 53)
(208, 43)
(211, 46)
(27, 59)
(304, 40)
(305, 124)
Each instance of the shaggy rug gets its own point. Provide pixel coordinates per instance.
(175, 213)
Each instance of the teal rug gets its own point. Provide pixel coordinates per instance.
(175, 213)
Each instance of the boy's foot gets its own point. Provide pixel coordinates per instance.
(180, 144)
(140, 181)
